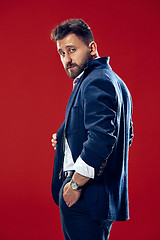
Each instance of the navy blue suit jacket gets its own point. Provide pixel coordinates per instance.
(98, 127)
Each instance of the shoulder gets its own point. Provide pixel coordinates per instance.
(100, 79)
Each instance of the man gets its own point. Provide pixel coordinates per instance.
(91, 159)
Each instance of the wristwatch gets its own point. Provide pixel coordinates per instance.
(75, 186)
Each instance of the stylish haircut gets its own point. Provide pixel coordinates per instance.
(76, 26)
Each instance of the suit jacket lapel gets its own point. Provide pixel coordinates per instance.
(72, 98)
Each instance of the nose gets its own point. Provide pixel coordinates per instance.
(67, 59)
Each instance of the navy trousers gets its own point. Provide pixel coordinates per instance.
(78, 225)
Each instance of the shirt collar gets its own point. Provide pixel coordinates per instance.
(76, 80)
(79, 76)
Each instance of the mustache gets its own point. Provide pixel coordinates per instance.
(71, 65)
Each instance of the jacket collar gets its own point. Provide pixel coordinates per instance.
(98, 62)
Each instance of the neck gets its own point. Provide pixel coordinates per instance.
(95, 56)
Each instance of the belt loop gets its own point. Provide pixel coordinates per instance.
(68, 173)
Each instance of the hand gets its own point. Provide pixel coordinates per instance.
(54, 140)
(70, 196)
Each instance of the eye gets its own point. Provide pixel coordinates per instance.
(72, 50)
(61, 53)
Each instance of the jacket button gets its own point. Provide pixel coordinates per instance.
(104, 164)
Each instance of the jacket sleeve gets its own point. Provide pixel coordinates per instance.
(100, 107)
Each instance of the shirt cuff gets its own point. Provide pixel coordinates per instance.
(83, 169)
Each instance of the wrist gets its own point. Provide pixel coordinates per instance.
(79, 179)
(75, 186)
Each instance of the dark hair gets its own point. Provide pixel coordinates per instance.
(76, 26)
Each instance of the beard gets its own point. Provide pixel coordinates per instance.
(73, 69)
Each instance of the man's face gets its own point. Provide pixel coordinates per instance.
(74, 54)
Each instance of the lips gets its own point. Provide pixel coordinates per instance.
(71, 66)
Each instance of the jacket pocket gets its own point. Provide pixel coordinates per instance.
(90, 193)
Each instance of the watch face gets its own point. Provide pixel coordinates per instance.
(74, 185)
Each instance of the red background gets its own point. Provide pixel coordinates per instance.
(34, 90)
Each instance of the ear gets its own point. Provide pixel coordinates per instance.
(93, 48)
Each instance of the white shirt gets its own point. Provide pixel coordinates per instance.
(79, 166)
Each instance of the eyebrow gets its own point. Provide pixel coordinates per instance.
(69, 46)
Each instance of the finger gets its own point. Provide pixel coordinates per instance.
(54, 136)
(67, 204)
(53, 145)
